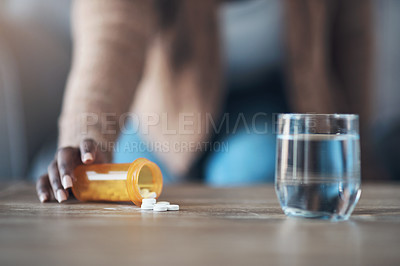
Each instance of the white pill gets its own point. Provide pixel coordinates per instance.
(151, 195)
(147, 207)
(160, 208)
(173, 207)
(144, 191)
(149, 201)
(162, 203)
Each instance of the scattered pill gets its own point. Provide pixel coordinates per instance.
(149, 201)
(163, 203)
(147, 206)
(173, 207)
(160, 208)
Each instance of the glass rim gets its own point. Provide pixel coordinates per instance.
(307, 115)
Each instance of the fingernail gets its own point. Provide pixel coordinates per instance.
(87, 157)
(67, 181)
(43, 197)
(61, 196)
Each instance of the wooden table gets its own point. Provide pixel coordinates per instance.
(232, 226)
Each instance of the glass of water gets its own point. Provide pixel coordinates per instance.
(318, 165)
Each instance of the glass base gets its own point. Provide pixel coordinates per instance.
(299, 213)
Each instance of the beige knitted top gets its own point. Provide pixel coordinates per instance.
(160, 59)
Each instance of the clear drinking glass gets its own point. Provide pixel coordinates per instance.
(318, 165)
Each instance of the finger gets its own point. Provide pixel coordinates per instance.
(88, 151)
(67, 160)
(43, 188)
(55, 182)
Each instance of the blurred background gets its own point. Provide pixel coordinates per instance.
(35, 56)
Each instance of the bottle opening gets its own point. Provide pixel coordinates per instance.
(146, 182)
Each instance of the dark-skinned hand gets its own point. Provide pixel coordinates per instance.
(60, 173)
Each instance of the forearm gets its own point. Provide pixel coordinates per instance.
(308, 56)
(353, 54)
(329, 55)
(109, 48)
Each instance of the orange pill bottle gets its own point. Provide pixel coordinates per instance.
(118, 182)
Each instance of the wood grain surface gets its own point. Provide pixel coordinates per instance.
(227, 226)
